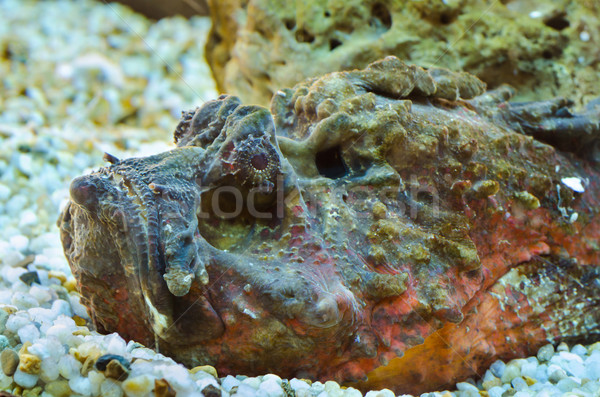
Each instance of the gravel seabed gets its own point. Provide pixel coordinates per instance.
(80, 78)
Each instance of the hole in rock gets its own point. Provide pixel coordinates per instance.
(382, 16)
(334, 43)
(330, 163)
(445, 18)
(290, 24)
(304, 36)
(557, 22)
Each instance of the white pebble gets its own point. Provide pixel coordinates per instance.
(41, 294)
(519, 384)
(510, 372)
(351, 392)
(96, 378)
(19, 242)
(77, 307)
(466, 386)
(380, 393)
(28, 333)
(567, 384)
(12, 258)
(17, 321)
(28, 218)
(81, 385)
(49, 370)
(204, 381)
(529, 369)
(584, 36)
(580, 350)
(229, 382)
(243, 390)
(110, 388)
(497, 368)
(298, 384)
(4, 192)
(24, 301)
(252, 382)
(69, 367)
(25, 380)
(115, 344)
(271, 388)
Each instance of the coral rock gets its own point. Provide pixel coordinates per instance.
(544, 48)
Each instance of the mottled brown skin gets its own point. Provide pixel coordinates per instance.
(399, 211)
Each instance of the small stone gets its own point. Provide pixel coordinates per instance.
(466, 386)
(333, 389)
(206, 368)
(113, 366)
(510, 372)
(272, 377)
(138, 386)
(30, 277)
(497, 368)
(243, 390)
(30, 363)
(566, 385)
(580, 350)
(556, 374)
(24, 379)
(562, 347)
(10, 361)
(58, 388)
(545, 353)
(253, 382)
(211, 391)
(35, 392)
(352, 392)
(110, 388)
(4, 343)
(81, 385)
(488, 384)
(3, 319)
(229, 382)
(529, 369)
(271, 388)
(380, 393)
(519, 384)
(529, 380)
(162, 388)
(298, 384)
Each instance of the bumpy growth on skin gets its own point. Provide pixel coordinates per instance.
(545, 48)
(392, 223)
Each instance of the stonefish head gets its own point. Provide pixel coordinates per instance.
(393, 223)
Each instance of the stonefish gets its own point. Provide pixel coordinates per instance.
(392, 226)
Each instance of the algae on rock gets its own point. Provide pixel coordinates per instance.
(544, 48)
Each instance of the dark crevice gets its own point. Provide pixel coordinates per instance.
(381, 16)
(304, 36)
(334, 43)
(557, 22)
(446, 19)
(330, 163)
(290, 24)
